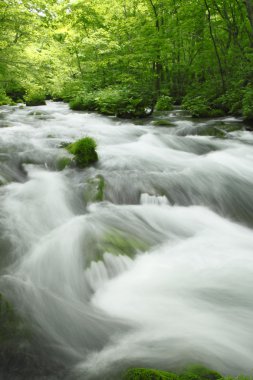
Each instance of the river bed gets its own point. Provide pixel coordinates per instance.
(159, 272)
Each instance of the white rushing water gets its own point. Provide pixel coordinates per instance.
(160, 273)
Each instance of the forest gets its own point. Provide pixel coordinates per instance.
(128, 57)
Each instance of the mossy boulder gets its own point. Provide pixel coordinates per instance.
(220, 130)
(40, 115)
(119, 243)
(195, 372)
(163, 123)
(84, 151)
(149, 374)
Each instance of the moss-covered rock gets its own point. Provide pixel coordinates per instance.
(220, 130)
(40, 115)
(119, 243)
(195, 372)
(163, 123)
(148, 374)
(84, 151)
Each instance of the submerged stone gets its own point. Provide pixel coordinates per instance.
(63, 162)
(163, 123)
(94, 189)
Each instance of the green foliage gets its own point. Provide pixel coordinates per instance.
(149, 374)
(201, 107)
(164, 103)
(195, 372)
(4, 99)
(122, 102)
(84, 151)
(85, 102)
(247, 104)
(35, 96)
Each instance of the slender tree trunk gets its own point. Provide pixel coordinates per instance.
(249, 8)
(215, 46)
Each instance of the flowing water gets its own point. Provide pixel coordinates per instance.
(158, 274)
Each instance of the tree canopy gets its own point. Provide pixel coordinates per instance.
(120, 57)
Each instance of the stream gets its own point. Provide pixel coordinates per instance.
(159, 272)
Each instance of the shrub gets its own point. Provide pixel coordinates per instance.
(15, 91)
(35, 96)
(4, 99)
(198, 106)
(123, 102)
(247, 104)
(84, 151)
(84, 102)
(164, 103)
(202, 107)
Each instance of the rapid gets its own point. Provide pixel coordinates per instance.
(160, 272)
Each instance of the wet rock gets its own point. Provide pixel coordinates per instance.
(163, 123)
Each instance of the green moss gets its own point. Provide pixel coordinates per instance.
(163, 123)
(197, 372)
(219, 130)
(84, 151)
(148, 374)
(118, 243)
(211, 131)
